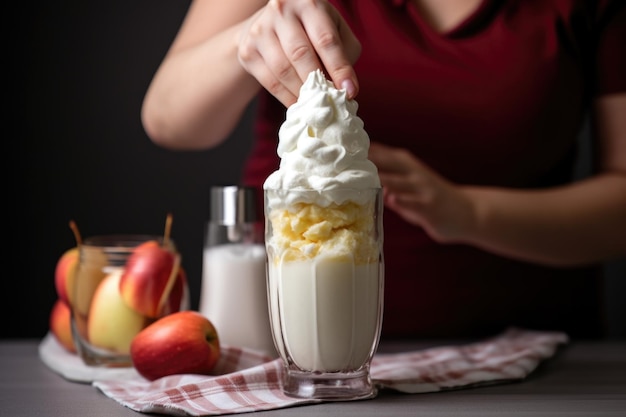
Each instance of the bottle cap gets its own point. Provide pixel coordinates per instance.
(231, 205)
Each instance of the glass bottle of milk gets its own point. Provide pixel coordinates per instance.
(233, 291)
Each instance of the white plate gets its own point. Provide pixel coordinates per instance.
(71, 367)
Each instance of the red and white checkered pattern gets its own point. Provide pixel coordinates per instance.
(246, 381)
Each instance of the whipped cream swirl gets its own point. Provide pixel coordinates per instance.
(323, 146)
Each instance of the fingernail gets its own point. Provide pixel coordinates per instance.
(348, 85)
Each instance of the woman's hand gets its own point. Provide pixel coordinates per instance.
(422, 197)
(286, 40)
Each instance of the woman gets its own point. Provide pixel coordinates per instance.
(473, 108)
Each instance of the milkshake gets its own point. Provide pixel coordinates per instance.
(323, 211)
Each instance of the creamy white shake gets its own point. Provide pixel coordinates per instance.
(324, 236)
(329, 312)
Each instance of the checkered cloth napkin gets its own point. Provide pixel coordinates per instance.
(245, 381)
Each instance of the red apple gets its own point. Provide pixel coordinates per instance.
(148, 278)
(65, 274)
(179, 298)
(60, 325)
(180, 343)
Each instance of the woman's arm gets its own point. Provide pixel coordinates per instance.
(581, 223)
(200, 90)
(226, 51)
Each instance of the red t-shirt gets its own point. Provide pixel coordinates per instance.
(499, 100)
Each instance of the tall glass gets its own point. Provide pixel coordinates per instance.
(325, 288)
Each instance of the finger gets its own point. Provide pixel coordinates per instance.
(406, 207)
(299, 53)
(292, 57)
(261, 54)
(397, 183)
(335, 45)
(390, 160)
(352, 48)
(253, 62)
(280, 63)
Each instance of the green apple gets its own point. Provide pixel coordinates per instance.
(112, 324)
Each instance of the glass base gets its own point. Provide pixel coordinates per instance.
(92, 356)
(329, 386)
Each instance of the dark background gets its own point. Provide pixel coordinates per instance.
(78, 150)
(74, 148)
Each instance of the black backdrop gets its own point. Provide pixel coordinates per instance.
(74, 148)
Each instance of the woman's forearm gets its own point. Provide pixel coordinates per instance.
(571, 225)
(198, 94)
